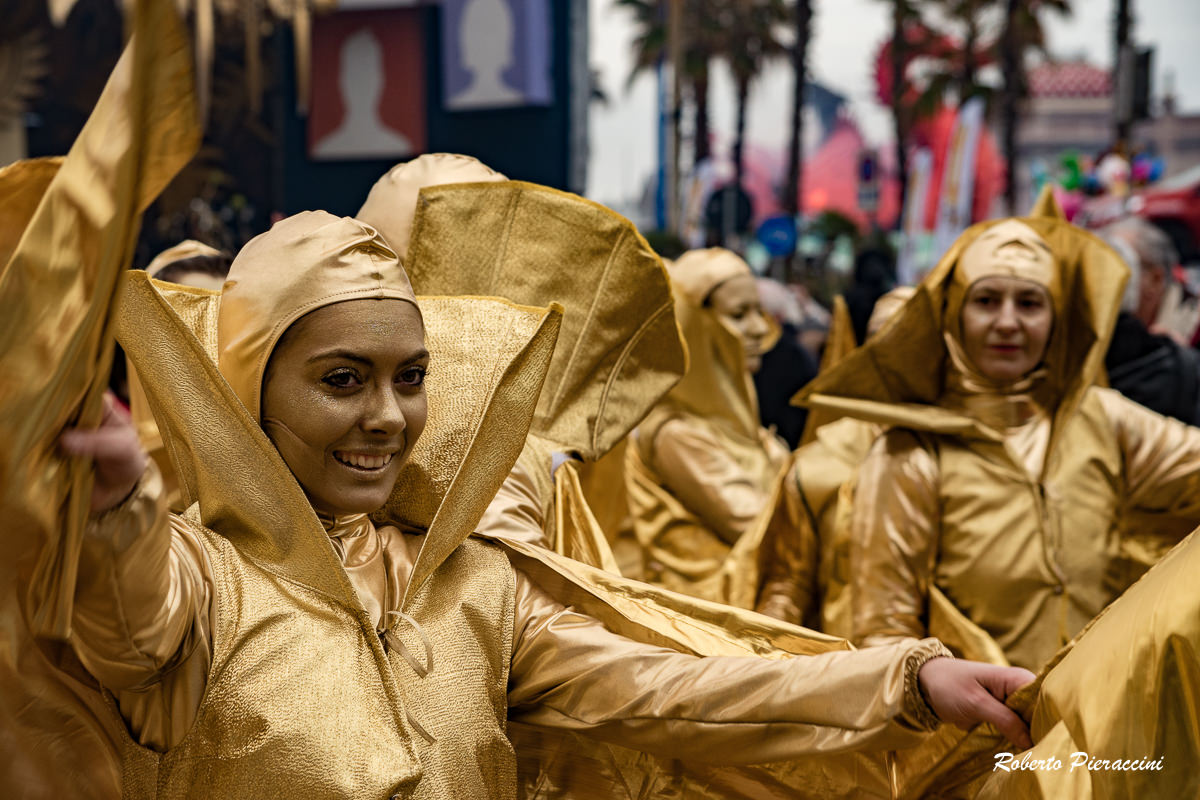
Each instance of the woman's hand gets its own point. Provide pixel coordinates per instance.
(117, 455)
(965, 693)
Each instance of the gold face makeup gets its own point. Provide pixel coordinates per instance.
(736, 301)
(344, 400)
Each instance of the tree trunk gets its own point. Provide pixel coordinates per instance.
(794, 185)
(739, 137)
(970, 42)
(703, 146)
(899, 113)
(1014, 90)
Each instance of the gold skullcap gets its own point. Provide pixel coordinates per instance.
(188, 248)
(1009, 249)
(698, 272)
(303, 263)
(392, 202)
(887, 306)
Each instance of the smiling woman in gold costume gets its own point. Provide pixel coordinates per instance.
(1011, 499)
(701, 468)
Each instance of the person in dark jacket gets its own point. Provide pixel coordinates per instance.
(1152, 369)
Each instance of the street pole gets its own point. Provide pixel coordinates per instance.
(1122, 77)
(675, 46)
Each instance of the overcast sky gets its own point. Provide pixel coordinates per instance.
(847, 34)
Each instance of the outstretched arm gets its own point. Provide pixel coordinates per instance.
(570, 672)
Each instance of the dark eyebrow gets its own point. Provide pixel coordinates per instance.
(345, 355)
(350, 355)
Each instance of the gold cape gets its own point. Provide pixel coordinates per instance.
(618, 353)
(67, 230)
(701, 472)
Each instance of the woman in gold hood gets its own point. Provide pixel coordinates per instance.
(701, 467)
(275, 639)
(1010, 499)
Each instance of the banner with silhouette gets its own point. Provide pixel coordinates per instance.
(496, 54)
(368, 86)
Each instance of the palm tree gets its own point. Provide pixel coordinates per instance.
(699, 48)
(1023, 31)
(749, 38)
(905, 18)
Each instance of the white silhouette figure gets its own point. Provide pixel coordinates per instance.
(485, 44)
(362, 134)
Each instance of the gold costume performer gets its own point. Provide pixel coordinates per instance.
(618, 351)
(805, 555)
(997, 511)
(701, 470)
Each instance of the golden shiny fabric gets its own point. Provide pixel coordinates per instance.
(67, 229)
(619, 350)
(1029, 489)
(805, 555)
(619, 695)
(701, 470)
(392, 203)
(839, 342)
(188, 248)
(1125, 691)
(139, 410)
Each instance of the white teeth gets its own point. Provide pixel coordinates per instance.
(364, 461)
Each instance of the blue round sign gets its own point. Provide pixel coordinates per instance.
(778, 235)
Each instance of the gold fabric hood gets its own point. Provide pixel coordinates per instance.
(898, 375)
(392, 202)
(489, 360)
(304, 262)
(717, 386)
(619, 350)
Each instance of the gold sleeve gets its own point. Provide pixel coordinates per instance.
(141, 619)
(696, 467)
(790, 558)
(893, 539)
(1162, 462)
(516, 511)
(570, 672)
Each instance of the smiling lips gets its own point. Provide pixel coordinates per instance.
(364, 461)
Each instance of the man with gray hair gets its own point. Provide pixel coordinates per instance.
(1159, 371)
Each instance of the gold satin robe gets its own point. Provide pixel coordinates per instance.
(696, 492)
(806, 553)
(962, 515)
(191, 653)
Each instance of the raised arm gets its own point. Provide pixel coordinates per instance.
(142, 602)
